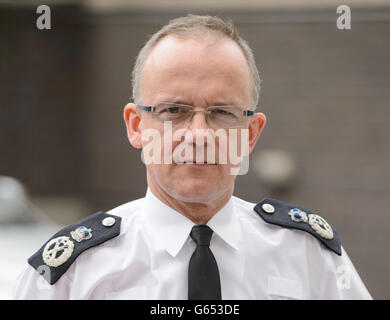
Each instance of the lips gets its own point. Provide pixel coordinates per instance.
(196, 163)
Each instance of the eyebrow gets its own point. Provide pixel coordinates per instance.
(181, 101)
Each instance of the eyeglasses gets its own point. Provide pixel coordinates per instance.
(181, 114)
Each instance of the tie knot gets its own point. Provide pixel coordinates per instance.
(201, 234)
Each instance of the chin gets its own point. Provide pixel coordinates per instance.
(197, 190)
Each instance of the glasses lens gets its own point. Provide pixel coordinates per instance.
(172, 112)
(218, 117)
(226, 116)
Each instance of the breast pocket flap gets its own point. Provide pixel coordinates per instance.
(284, 288)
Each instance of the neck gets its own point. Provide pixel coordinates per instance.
(199, 212)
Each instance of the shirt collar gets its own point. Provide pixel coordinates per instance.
(170, 229)
(225, 224)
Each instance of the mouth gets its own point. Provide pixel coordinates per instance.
(197, 164)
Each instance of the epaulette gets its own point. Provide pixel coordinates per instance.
(288, 215)
(59, 252)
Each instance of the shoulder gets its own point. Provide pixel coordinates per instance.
(128, 210)
(287, 215)
(291, 216)
(242, 204)
(55, 257)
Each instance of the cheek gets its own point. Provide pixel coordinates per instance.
(238, 145)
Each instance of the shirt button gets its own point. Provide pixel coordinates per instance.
(108, 222)
(268, 208)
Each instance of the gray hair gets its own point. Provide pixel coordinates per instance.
(195, 26)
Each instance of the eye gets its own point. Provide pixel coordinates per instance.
(167, 109)
(221, 111)
(172, 110)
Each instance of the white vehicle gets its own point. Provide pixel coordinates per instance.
(22, 232)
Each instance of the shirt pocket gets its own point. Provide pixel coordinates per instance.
(284, 289)
(135, 293)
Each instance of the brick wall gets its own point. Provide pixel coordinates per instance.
(325, 93)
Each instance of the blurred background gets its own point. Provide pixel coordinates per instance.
(326, 146)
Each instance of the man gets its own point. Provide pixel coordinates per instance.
(195, 86)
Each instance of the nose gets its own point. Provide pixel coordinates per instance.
(202, 137)
(198, 121)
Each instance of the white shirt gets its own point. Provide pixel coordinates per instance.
(150, 257)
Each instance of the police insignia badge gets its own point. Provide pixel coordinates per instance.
(81, 233)
(298, 215)
(291, 216)
(320, 226)
(61, 251)
(57, 251)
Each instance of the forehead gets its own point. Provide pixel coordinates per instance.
(196, 70)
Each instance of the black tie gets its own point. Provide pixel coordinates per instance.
(203, 274)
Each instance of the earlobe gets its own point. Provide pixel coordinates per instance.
(132, 120)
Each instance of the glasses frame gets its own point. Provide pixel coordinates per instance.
(152, 109)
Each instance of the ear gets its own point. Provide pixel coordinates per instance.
(256, 126)
(132, 119)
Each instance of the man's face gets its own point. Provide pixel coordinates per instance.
(190, 72)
